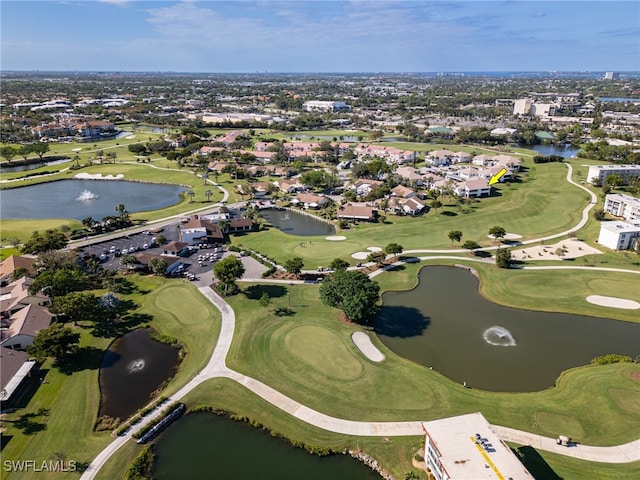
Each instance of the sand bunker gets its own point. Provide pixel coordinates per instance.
(613, 302)
(98, 176)
(508, 236)
(130, 137)
(335, 238)
(568, 249)
(368, 349)
(374, 249)
(360, 255)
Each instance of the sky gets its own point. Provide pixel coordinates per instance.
(319, 36)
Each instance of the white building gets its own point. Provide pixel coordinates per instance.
(619, 235)
(598, 174)
(325, 106)
(522, 106)
(624, 206)
(466, 447)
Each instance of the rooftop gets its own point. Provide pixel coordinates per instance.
(469, 448)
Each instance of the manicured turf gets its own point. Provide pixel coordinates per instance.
(260, 350)
(529, 209)
(72, 401)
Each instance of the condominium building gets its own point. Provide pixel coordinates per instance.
(621, 205)
(598, 174)
(466, 447)
(619, 235)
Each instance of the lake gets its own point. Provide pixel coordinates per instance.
(566, 151)
(207, 446)
(297, 223)
(132, 369)
(446, 324)
(85, 198)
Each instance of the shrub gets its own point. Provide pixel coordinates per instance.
(106, 422)
(611, 358)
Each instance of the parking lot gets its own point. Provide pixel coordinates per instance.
(199, 259)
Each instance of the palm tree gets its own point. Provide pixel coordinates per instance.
(191, 194)
(208, 193)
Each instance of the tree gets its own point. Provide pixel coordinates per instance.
(191, 194)
(614, 180)
(40, 149)
(471, 245)
(503, 258)
(55, 341)
(76, 306)
(55, 283)
(377, 257)
(394, 249)
(25, 150)
(8, 152)
(227, 271)
(338, 264)
(161, 239)
(354, 293)
(599, 214)
(43, 242)
(294, 265)
(455, 236)
(265, 300)
(436, 205)
(158, 266)
(208, 194)
(497, 232)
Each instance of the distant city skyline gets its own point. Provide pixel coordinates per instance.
(319, 36)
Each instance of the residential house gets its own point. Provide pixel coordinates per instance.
(24, 325)
(309, 200)
(406, 205)
(15, 367)
(357, 212)
(289, 186)
(410, 174)
(16, 296)
(12, 263)
(364, 186)
(401, 191)
(476, 187)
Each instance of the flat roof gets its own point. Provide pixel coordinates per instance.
(469, 448)
(621, 226)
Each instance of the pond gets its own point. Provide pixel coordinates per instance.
(297, 223)
(446, 324)
(206, 446)
(132, 369)
(566, 151)
(85, 198)
(32, 166)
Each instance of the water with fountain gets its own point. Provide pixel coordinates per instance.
(294, 222)
(85, 198)
(446, 324)
(133, 367)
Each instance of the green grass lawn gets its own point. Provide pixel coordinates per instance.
(529, 209)
(71, 401)
(273, 349)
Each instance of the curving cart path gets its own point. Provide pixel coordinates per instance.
(217, 368)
